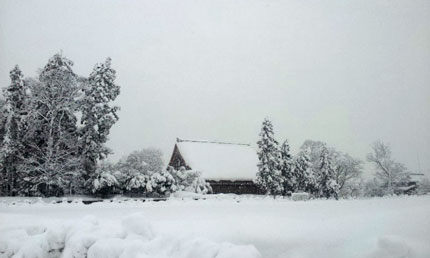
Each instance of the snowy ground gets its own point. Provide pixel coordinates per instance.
(220, 226)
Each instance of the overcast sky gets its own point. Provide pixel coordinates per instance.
(344, 72)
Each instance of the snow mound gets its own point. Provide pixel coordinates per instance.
(187, 194)
(398, 247)
(300, 196)
(88, 237)
(137, 224)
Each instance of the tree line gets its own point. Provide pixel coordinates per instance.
(53, 128)
(53, 131)
(323, 171)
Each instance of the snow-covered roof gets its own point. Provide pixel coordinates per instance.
(416, 177)
(219, 161)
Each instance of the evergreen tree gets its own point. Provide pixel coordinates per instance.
(269, 177)
(11, 145)
(304, 173)
(51, 140)
(3, 116)
(97, 115)
(287, 169)
(327, 176)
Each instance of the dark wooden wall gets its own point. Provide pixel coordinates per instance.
(236, 187)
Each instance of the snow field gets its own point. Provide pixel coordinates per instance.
(220, 226)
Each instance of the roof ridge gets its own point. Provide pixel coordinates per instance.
(217, 142)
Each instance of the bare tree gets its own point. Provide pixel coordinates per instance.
(347, 168)
(387, 169)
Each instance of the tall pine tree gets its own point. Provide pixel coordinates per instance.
(269, 177)
(98, 116)
(11, 146)
(304, 173)
(287, 169)
(327, 176)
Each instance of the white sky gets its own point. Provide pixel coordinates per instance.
(344, 72)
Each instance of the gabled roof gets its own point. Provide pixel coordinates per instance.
(219, 160)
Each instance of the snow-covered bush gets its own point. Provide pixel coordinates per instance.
(104, 181)
(189, 180)
(141, 173)
(163, 183)
(136, 182)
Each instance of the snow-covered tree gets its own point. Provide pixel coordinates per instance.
(287, 169)
(98, 115)
(3, 118)
(51, 138)
(326, 179)
(373, 188)
(12, 128)
(142, 173)
(269, 177)
(153, 159)
(305, 174)
(347, 169)
(314, 149)
(387, 170)
(134, 178)
(41, 144)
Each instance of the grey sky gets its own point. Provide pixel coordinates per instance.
(344, 72)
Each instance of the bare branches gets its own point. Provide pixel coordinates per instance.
(386, 168)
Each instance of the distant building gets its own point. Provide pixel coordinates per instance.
(409, 183)
(227, 167)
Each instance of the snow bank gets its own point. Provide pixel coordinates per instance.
(300, 196)
(88, 237)
(392, 246)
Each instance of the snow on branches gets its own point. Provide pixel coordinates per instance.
(269, 177)
(44, 151)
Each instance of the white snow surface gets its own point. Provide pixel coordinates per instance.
(220, 161)
(220, 226)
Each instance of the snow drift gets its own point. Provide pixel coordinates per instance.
(88, 237)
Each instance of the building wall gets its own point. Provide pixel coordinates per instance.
(236, 187)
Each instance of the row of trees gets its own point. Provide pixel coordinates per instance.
(53, 131)
(316, 169)
(325, 172)
(53, 128)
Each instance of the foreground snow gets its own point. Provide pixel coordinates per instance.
(220, 226)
